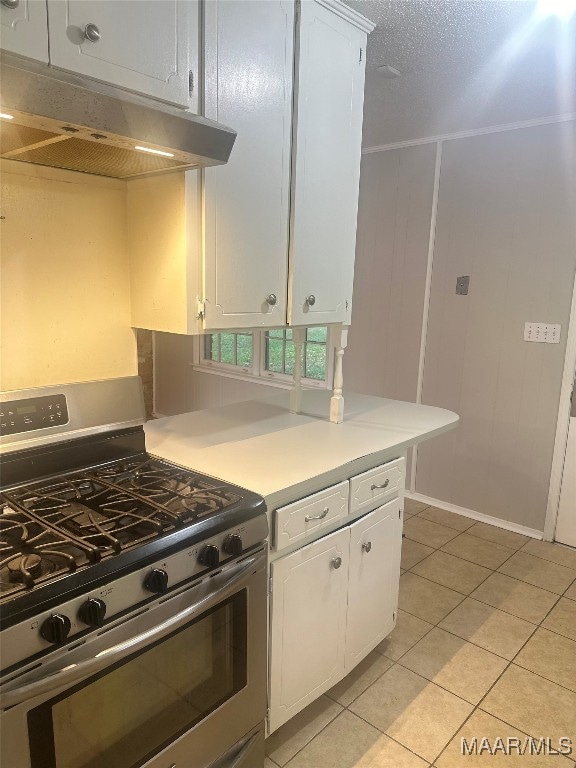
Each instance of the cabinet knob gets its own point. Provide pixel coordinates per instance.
(11, 4)
(271, 299)
(367, 546)
(336, 563)
(92, 33)
(311, 300)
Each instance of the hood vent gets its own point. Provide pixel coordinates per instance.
(55, 119)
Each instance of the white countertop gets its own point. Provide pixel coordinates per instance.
(260, 445)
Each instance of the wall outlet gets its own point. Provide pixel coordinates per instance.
(547, 333)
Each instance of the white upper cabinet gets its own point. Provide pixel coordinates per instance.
(327, 136)
(276, 232)
(141, 45)
(24, 28)
(248, 74)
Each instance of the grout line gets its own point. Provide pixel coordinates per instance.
(546, 559)
(404, 746)
(537, 674)
(315, 735)
(496, 570)
(496, 608)
(509, 662)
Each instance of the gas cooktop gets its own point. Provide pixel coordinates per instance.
(82, 503)
(59, 525)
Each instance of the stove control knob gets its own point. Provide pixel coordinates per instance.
(233, 544)
(156, 581)
(55, 629)
(92, 612)
(210, 556)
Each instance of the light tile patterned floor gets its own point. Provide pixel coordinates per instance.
(484, 646)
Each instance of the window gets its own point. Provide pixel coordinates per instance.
(267, 355)
(279, 353)
(229, 348)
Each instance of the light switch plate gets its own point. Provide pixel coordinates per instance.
(547, 333)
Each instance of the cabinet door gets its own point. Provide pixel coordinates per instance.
(328, 135)
(24, 29)
(308, 616)
(248, 85)
(374, 573)
(142, 44)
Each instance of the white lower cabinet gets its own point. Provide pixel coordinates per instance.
(374, 570)
(331, 603)
(308, 603)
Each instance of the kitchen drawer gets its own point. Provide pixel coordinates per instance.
(371, 489)
(296, 521)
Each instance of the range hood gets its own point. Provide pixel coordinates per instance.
(65, 121)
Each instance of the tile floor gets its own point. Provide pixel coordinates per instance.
(485, 646)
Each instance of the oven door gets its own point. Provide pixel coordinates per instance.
(181, 683)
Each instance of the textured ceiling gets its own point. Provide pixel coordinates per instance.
(465, 64)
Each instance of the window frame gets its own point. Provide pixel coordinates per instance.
(257, 372)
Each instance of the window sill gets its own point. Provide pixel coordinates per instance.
(271, 381)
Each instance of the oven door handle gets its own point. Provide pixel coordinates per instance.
(235, 579)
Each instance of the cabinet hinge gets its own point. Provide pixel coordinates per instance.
(200, 309)
(270, 585)
(400, 514)
(394, 616)
(190, 82)
(268, 719)
(361, 54)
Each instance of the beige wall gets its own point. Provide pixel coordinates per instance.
(65, 294)
(179, 388)
(506, 217)
(395, 205)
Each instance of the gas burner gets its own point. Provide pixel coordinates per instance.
(24, 568)
(82, 519)
(32, 552)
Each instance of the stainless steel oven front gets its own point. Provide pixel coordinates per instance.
(179, 683)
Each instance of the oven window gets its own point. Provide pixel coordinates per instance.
(121, 718)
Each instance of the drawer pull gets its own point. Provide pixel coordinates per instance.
(336, 563)
(321, 516)
(375, 487)
(367, 546)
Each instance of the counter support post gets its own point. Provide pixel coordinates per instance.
(298, 337)
(337, 400)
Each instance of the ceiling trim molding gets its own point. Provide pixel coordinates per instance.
(339, 8)
(473, 132)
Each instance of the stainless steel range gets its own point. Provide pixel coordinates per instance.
(132, 594)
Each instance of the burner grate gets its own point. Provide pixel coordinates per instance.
(31, 552)
(53, 527)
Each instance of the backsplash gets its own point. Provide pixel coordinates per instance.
(65, 278)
